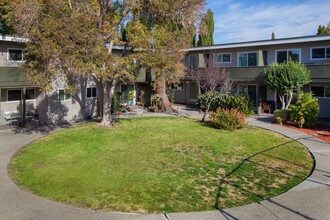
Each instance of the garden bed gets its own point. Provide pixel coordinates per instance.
(319, 131)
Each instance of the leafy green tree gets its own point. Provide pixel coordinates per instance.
(157, 33)
(273, 36)
(123, 33)
(206, 29)
(286, 78)
(194, 42)
(73, 39)
(322, 30)
(5, 12)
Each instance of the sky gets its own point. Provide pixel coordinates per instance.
(249, 20)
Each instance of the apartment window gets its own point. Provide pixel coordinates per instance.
(320, 53)
(283, 56)
(14, 95)
(64, 94)
(30, 94)
(178, 86)
(15, 55)
(247, 59)
(222, 58)
(91, 92)
(320, 91)
(192, 61)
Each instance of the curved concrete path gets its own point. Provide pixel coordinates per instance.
(308, 200)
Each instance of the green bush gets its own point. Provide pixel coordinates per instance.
(281, 115)
(305, 111)
(115, 102)
(228, 119)
(241, 103)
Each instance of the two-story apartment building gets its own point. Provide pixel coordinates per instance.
(19, 97)
(246, 62)
(57, 105)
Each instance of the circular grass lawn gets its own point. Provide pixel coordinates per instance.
(156, 165)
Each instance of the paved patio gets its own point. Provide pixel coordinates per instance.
(308, 200)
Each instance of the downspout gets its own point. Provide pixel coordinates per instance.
(24, 106)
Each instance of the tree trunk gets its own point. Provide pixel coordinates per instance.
(290, 99)
(108, 91)
(164, 103)
(282, 99)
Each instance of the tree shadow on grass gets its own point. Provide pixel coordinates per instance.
(249, 159)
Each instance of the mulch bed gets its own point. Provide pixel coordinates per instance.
(319, 131)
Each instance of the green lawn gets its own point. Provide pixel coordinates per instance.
(155, 165)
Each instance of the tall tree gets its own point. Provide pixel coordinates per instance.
(157, 33)
(205, 38)
(322, 30)
(286, 78)
(5, 12)
(73, 39)
(273, 36)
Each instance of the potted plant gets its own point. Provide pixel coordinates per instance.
(131, 97)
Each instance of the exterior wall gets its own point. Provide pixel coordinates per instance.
(180, 95)
(271, 95)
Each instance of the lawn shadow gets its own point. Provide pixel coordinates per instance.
(249, 159)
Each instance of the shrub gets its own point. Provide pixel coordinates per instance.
(115, 102)
(241, 103)
(281, 115)
(279, 120)
(228, 119)
(305, 111)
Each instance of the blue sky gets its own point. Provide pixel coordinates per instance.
(249, 20)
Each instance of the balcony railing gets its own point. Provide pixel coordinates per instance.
(11, 76)
(319, 73)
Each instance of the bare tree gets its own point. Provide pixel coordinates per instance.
(212, 79)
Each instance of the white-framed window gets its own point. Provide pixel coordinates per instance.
(30, 94)
(91, 92)
(286, 55)
(14, 95)
(64, 95)
(222, 58)
(176, 86)
(15, 55)
(320, 53)
(321, 91)
(247, 59)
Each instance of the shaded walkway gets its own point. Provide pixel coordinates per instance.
(308, 200)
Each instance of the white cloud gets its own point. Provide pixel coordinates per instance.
(235, 22)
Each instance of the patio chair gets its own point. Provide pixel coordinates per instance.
(266, 107)
(11, 118)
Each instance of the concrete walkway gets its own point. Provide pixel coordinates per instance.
(308, 200)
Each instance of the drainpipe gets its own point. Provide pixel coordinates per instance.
(24, 105)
